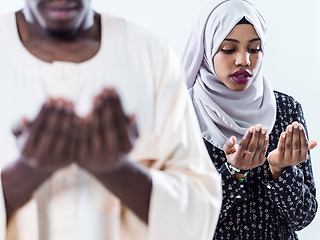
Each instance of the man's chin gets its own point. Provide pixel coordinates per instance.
(61, 33)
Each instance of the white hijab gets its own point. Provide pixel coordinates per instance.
(222, 112)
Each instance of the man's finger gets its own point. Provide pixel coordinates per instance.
(120, 122)
(45, 143)
(35, 129)
(81, 140)
(109, 135)
(62, 138)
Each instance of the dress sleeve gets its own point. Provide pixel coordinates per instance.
(294, 191)
(232, 192)
(186, 193)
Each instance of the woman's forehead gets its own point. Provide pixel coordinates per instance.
(243, 32)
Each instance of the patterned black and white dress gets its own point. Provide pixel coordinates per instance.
(263, 208)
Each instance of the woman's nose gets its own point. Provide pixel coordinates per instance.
(243, 59)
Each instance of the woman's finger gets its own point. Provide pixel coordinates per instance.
(303, 144)
(229, 146)
(296, 146)
(288, 145)
(281, 145)
(253, 144)
(312, 144)
(243, 145)
(257, 160)
(264, 149)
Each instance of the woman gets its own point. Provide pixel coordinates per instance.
(268, 190)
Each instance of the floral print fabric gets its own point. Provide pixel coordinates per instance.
(262, 208)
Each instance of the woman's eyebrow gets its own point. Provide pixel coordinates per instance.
(255, 39)
(231, 40)
(236, 41)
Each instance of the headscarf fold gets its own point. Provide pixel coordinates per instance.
(222, 112)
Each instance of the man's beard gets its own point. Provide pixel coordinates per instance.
(62, 34)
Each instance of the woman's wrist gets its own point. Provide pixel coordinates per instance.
(275, 171)
(237, 173)
(239, 176)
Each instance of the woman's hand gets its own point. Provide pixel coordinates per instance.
(48, 142)
(292, 149)
(251, 151)
(105, 136)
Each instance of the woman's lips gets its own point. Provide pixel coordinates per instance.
(241, 77)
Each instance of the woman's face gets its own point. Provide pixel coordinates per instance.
(238, 58)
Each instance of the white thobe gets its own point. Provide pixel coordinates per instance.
(72, 204)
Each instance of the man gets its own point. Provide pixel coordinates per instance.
(71, 170)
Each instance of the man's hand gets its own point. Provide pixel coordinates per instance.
(251, 151)
(105, 136)
(292, 149)
(99, 143)
(48, 142)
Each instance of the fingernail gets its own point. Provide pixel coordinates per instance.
(69, 107)
(266, 138)
(295, 126)
(300, 127)
(48, 102)
(258, 128)
(59, 103)
(251, 130)
(284, 135)
(264, 131)
(290, 128)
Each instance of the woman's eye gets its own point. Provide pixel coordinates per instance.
(228, 51)
(254, 50)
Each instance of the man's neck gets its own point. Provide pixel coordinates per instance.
(78, 46)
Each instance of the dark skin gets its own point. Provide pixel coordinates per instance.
(57, 137)
(292, 149)
(73, 39)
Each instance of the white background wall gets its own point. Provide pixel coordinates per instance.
(291, 61)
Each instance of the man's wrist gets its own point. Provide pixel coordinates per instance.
(113, 169)
(22, 161)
